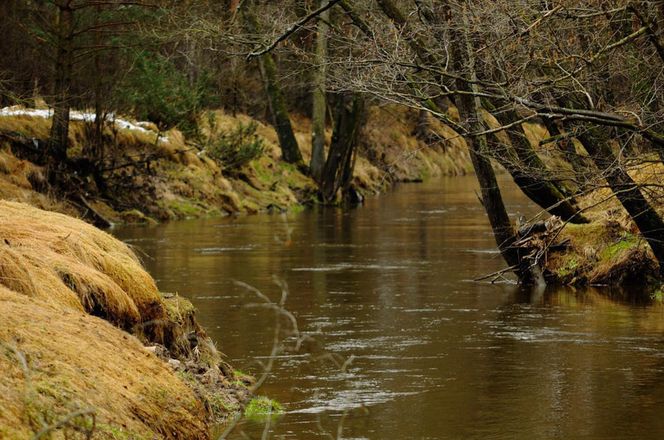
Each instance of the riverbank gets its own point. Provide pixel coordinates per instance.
(89, 344)
(604, 252)
(609, 250)
(153, 176)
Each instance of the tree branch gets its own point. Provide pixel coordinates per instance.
(292, 29)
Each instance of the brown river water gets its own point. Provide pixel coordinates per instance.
(433, 354)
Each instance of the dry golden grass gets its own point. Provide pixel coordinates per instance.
(389, 139)
(27, 126)
(389, 132)
(64, 261)
(601, 203)
(493, 123)
(15, 184)
(171, 144)
(56, 360)
(265, 181)
(550, 153)
(56, 271)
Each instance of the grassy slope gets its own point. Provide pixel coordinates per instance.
(601, 253)
(56, 359)
(74, 361)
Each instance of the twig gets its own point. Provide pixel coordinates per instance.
(278, 346)
(65, 421)
(266, 429)
(525, 31)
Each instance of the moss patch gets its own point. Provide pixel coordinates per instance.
(178, 309)
(183, 208)
(600, 253)
(134, 216)
(569, 266)
(261, 407)
(615, 250)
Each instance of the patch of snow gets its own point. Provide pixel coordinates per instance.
(75, 115)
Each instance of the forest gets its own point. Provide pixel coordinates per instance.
(141, 112)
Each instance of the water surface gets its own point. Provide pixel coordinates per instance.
(434, 354)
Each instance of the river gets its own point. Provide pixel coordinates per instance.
(431, 354)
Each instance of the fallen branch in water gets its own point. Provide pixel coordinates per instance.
(496, 274)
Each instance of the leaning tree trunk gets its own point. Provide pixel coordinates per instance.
(94, 150)
(627, 191)
(59, 135)
(290, 151)
(338, 169)
(532, 176)
(566, 145)
(651, 25)
(469, 107)
(656, 39)
(319, 105)
(527, 169)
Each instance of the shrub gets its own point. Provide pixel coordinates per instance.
(237, 147)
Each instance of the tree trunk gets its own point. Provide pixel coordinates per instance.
(97, 153)
(528, 170)
(627, 192)
(423, 130)
(532, 176)
(95, 149)
(567, 147)
(58, 140)
(290, 151)
(319, 105)
(338, 169)
(651, 24)
(469, 109)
